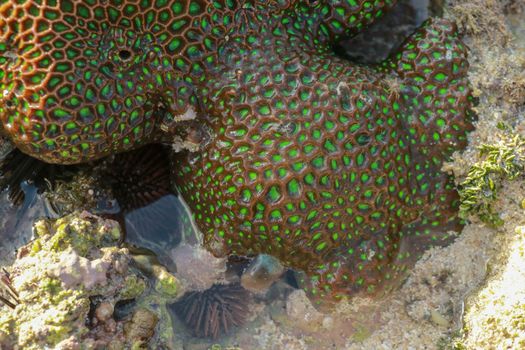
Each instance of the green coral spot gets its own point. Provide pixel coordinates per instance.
(274, 194)
(264, 110)
(293, 188)
(440, 77)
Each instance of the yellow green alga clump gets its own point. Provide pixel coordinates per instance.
(76, 233)
(71, 259)
(479, 191)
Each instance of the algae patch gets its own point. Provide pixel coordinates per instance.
(502, 161)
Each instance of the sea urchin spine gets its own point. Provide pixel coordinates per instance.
(215, 311)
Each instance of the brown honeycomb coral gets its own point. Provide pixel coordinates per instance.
(312, 159)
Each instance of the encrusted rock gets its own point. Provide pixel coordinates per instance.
(73, 270)
(301, 312)
(72, 266)
(141, 326)
(197, 266)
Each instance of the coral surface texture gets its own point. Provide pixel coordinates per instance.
(332, 167)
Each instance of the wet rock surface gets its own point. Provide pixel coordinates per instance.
(262, 272)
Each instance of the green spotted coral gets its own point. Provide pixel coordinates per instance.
(330, 166)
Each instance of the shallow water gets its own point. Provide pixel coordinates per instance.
(165, 223)
(16, 221)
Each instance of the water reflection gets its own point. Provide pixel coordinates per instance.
(16, 221)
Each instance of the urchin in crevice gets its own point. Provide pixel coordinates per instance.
(141, 185)
(140, 177)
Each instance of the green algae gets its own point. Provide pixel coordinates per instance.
(133, 287)
(166, 284)
(77, 234)
(479, 191)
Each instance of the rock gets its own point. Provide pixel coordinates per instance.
(74, 270)
(73, 263)
(166, 283)
(104, 311)
(495, 314)
(133, 287)
(301, 313)
(262, 272)
(141, 326)
(80, 232)
(68, 344)
(198, 267)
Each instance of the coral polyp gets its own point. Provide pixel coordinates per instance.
(330, 166)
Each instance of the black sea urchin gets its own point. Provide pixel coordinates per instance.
(140, 177)
(215, 311)
(140, 182)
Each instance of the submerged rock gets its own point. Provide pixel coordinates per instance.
(262, 272)
(302, 313)
(198, 267)
(166, 284)
(141, 327)
(68, 281)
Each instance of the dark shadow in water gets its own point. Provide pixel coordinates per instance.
(159, 226)
(376, 43)
(16, 221)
